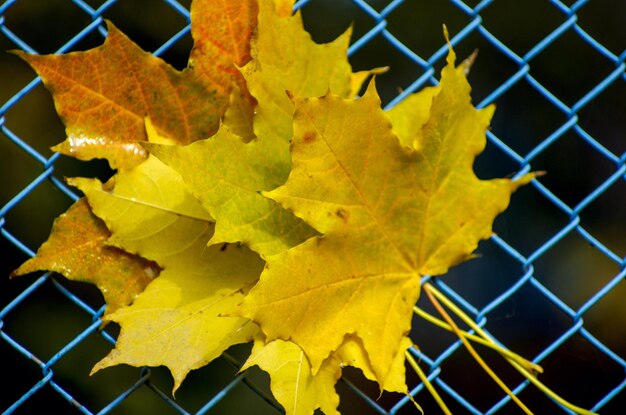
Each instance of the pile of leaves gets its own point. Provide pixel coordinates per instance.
(257, 198)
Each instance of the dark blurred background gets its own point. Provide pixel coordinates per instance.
(526, 321)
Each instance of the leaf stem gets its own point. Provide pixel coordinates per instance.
(516, 364)
(472, 351)
(426, 382)
(543, 388)
(526, 364)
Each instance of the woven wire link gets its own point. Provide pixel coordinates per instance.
(527, 280)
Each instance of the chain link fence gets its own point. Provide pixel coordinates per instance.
(549, 285)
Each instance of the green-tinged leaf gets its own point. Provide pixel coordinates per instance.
(225, 173)
(148, 210)
(76, 248)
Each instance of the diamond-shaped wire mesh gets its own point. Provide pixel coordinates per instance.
(549, 285)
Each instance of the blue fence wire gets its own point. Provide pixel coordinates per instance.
(550, 262)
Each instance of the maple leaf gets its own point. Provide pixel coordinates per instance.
(225, 173)
(103, 95)
(388, 214)
(76, 248)
(150, 212)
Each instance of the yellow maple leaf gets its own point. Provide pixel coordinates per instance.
(177, 321)
(388, 214)
(150, 212)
